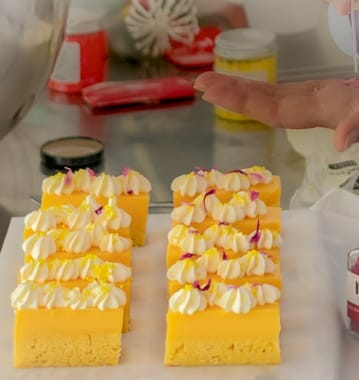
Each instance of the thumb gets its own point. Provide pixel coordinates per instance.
(347, 132)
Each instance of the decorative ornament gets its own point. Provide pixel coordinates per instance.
(153, 24)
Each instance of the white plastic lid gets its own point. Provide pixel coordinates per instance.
(246, 43)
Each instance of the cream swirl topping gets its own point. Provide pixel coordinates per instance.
(39, 245)
(58, 184)
(233, 181)
(78, 241)
(258, 174)
(105, 185)
(34, 270)
(83, 179)
(78, 218)
(26, 296)
(212, 176)
(51, 295)
(239, 207)
(267, 239)
(187, 271)
(114, 243)
(89, 268)
(216, 289)
(187, 300)
(63, 270)
(239, 300)
(134, 183)
(265, 293)
(107, 296)
(189, 184)
(227, 237)
(54, 296)
(40, 220)
(210, 259)
(188, 239)
(253, 263)
(188, 213)
(177, 233)
(112, 217)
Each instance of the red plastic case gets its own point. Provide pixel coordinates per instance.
(132, 92)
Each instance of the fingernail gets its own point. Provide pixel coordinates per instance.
(352, 138)
(197, 87)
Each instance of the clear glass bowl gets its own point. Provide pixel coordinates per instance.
(31, 32)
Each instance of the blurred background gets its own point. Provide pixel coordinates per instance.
(171, 139)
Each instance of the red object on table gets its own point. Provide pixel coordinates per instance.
(131, 92)
(82, 61)
(199, 53)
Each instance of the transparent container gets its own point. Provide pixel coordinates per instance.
(248, 53)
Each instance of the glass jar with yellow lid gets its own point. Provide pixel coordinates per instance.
(249, 53)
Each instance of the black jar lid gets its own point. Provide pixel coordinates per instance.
(75, 152)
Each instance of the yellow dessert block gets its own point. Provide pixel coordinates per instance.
(81, 284)
(66, 338)
(135, 205)
(269, 193)
(175, 253)
(274, 279)
(217, 337)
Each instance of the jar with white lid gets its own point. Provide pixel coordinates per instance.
(248, 53)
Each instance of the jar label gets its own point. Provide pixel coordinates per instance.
(353, 295)
(67, 68)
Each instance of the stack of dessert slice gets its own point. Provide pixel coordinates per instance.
(131, 190)
(72, 302)
(223, 271)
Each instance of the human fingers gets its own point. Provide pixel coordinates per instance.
(211, 78)
(347, 132)
(342, 6)
(203, 81)
(255, 99)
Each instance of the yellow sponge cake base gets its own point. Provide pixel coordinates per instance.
(67, 338)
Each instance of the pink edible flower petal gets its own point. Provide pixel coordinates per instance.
(208, 193)
(91, 172)
(238, 171)
(258, 176)
(126, 171)
(69, 176)
(224, 255)
(188, 255)
(99, 210)
(254, 195)
(200, 170)
(255, 238)
(204, 287)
